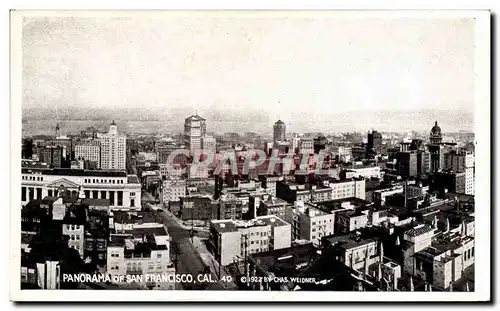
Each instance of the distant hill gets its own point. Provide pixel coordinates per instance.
(236, 119)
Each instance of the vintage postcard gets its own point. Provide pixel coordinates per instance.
(275, 155)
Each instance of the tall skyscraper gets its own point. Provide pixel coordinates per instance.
(462, 161)
(90, 151)
(113, 149)
(195, 128)
(436, 149)
(436, 136)
(279, 131)
(374, 144)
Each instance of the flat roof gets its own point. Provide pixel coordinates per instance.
(74, 172)
(229, 225)
(348, 241)
(291, 257)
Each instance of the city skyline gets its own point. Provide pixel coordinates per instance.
(251, 67)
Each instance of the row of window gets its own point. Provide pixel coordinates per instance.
(103, 181)
(321, 221)
(262, 242)
(138, 266)
(73, 227)
(74, 237)
(34, 178)
(468, 254)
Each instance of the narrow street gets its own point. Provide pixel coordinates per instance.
(182, 252)
(185, 256)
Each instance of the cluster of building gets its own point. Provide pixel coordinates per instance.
(90, 150)
(70, 234)
(379, 216)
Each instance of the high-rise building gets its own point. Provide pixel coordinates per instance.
(435, 135)
(374, 143)
(54, 156)
(195, 128)
(454, 182)
(423, 162)
(436, 149)
(407, 164)
(279, 131)
(113, 149)
(27, 149)
(462, 162)
(90, 151)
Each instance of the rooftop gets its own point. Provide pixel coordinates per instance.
(419, 230)
(234, 225)
(74, 172)
(348, 241)
(95, 202)
(291, 258)
(132, 179)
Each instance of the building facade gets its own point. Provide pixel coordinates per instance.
(279, 131)
(309, 223)
(173, 190)
(195, 128)
(123, 191)
(113, 149)
(89, 151)
(235, 240)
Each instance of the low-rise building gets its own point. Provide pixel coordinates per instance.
(234, 240)
(362, 171)
(380, 195)
(309, 223)
(198, 207)
(351, 220)
(347, 188)
(143, 250)
(122, 190)
(292, 192)
(173, 189)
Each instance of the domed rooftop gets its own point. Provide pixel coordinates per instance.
(436, 130)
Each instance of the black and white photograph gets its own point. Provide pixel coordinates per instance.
(250, 155)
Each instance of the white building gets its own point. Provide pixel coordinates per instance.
(76, 238)
(142, 251)
(113, 149)
(170, 171)
(194, 129)
(365, 171)
(344, 153)
(235, 239)
(89, 151)
(309, 223)
(123, 191)
(306, 145)
(462, 162)
(173, 190)
(380, 195)
(347, 188)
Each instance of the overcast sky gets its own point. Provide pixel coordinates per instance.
(281, 66)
